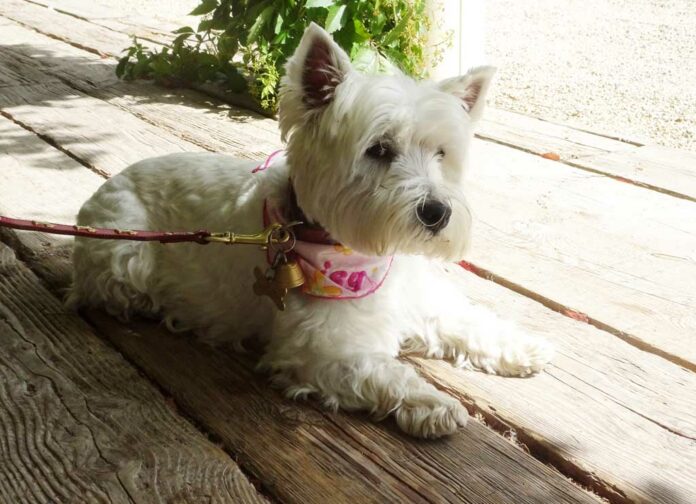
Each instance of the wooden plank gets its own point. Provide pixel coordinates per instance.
(471, 466)
(670, 170)
(71, 431)
(539, 137)
(579, 406)
(91, 74)
(103, 36)
(98, 133)
(79, 32)
(175, 14)
(300, 453)
(27, 164)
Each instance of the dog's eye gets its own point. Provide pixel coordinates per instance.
(441, 152)
(381, 152)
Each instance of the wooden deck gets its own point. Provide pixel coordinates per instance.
(596, 252)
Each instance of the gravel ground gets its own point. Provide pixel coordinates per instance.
(626, 67)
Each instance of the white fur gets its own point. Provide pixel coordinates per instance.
(345, 352)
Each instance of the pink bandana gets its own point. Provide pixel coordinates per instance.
(331, 270)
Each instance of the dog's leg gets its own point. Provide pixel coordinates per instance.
(477, 338)
(470, 335)
(381, 385)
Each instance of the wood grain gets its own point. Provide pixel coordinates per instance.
(78, 424)
(539, 137)
(606, 411)
(99, 134)
(670, 170)
(308, 455)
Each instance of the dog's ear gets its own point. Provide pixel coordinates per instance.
(471, 89)
(318, 66)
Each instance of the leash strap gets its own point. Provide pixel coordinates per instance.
(201, 237)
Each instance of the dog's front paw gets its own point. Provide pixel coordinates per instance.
(520, 355)
(430, 416)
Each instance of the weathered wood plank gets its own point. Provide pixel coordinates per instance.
(62, 63)
(40, 182)
(299, 453)
(71, 430)
(670, 170)
(539, 137)
(98, 133)
(79, 32)
(148, 21)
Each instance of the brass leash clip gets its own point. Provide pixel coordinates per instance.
(274, 234)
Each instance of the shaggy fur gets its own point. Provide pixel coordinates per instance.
(345, 352)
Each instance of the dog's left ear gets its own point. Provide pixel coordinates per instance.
(471, 89)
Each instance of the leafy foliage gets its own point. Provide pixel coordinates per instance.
(243, 44)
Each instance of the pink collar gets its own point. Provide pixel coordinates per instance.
(331, 270)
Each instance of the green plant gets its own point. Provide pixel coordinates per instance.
(243, 44)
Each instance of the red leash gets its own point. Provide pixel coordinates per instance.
(275, 233)
(103, 233)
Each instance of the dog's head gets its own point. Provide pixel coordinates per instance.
(379, 160)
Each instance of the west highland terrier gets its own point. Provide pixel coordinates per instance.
(374, 167)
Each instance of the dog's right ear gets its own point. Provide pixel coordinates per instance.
(318, 66)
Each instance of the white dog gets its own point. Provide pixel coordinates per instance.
(377, 162)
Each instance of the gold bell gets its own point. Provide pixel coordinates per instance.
(288, 275)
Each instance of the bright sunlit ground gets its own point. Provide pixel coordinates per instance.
(621, 66)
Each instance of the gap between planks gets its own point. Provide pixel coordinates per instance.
(577, 315)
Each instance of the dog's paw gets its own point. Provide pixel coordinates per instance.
(431, 416)
(521, 355)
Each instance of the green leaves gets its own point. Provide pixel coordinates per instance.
(319, 3)
(204, 7)
(244, 44)
(335, 19)
(258, 24)
(394, 34)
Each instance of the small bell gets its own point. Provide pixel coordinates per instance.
(288, 275)
(275, 283)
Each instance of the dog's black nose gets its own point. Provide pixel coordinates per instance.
(433, 214)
